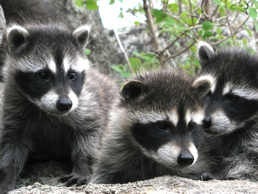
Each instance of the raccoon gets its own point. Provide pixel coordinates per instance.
(26, 12)
(153, 131)
(55, 105)
(230, 80)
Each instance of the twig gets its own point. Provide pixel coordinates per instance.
(179, 7)
(234, 33)
(150, 24)
(149, 18)
(164, 5)
(205, 6)
(172, 43)
(191, 11)
(181, 51)
(215, 11)
(228, 23)
(123, 50)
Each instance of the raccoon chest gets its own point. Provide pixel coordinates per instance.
(50, 140)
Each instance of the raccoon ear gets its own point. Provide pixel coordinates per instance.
(205, 52)
(132, 89)
(2, 20)
(16, 37)
(202, 87)
(81, 34)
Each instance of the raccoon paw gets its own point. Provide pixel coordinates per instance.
(74, 179)
(206, 176)
(7, 180)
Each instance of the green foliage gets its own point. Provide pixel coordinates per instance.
(185, 22)
(87, 52)
(89, 4)
(122, 70)
(137, 63)
(218, 23)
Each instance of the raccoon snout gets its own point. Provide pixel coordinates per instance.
(185, 158)
(64, 104)
(206, 122)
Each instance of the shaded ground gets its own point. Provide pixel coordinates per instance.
(42, 179)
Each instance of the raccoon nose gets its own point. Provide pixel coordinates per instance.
(206, 122)
(64, 104)
(185, 158)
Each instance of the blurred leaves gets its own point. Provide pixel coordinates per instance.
(87, 51)
(180, 23)
(89, 4)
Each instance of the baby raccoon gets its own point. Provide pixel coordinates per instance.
(230, 79)
(153, 131)
(231, 96)
(55, 105)
(26, 12)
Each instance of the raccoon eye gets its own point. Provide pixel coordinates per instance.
(191, 125)
(44, 74)
(231, 97)
(209, 94)
(164, 126)
(72, 75)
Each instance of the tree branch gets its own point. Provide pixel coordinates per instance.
(153, 30)
(181, 51)
(233, 33)
(123, 50)
(150, 23)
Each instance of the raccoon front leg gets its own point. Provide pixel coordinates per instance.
(116, 163)
(107, 172)
(12, 158)
(83, 155)
(206, 176)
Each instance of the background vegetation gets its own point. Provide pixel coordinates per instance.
(178, 25)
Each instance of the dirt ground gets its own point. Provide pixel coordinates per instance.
(43, 179)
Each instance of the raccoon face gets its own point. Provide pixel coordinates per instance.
(168, 136)
(48, 65)
(230, 81)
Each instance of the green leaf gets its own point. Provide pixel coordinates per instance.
(79, 3)
(121, 14)
(207, 26)
(135, 63)
(256, 26)
(91, 4)
(122, 70)
(252, 12)
(173, 7)
(159, 15)
(137, 23)
(87, 51)
(240, 7)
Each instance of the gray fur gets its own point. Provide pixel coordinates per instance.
(123, 158)
(232, 107)
(31, 132)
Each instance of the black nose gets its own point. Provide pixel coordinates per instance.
(185, 158)
(64, 104)
(206, 122)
